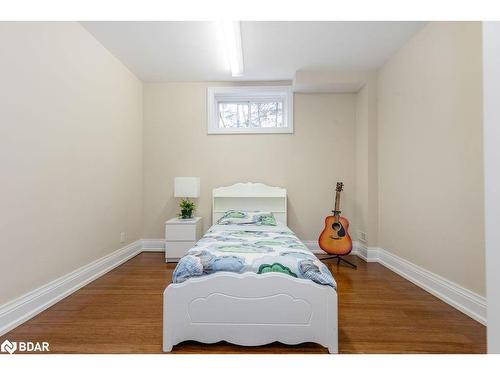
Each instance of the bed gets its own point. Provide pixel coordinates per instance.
(250, 308)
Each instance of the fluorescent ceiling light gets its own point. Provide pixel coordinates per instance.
(231, 38)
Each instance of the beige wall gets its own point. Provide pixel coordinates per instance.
(366, 177)
(307, 163)
(70, 153)
(430, 153)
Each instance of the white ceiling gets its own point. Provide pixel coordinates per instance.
(191, 51)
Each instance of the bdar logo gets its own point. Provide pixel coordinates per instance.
(24, 346)
(8, 347)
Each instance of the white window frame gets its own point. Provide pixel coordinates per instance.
(248, 93)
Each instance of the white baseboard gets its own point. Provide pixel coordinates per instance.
(23, 308)
(153, 244)
(313, 246)
(368, 254)
(464, 300)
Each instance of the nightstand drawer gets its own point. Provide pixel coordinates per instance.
(176, 250)
(176, 232)
(181, 236)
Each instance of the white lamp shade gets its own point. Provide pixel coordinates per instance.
(187, 187)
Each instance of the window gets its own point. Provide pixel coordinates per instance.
(250, 109)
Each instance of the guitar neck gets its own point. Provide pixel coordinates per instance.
(337, 203)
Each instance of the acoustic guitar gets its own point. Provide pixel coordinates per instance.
(335, 239)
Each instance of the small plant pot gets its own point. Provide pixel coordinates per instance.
(186, 214)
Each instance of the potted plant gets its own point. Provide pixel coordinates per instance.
(187, 208)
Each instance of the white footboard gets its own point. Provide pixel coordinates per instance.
(250, 309)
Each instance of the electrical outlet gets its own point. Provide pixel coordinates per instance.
(362, 236)
(123, 237)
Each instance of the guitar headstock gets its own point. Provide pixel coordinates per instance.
(340, 187)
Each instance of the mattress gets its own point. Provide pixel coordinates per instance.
(252, 248)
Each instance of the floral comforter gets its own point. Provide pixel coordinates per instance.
(252, 248)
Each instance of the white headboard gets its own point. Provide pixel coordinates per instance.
(249, 196)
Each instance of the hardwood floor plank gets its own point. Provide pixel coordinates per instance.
(379, 312)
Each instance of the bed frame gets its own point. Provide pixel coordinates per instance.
(250, 309)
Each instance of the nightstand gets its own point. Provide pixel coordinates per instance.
(180, 236)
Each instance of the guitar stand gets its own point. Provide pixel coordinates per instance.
(339, 259)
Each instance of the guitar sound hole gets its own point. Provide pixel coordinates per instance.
(339, 229)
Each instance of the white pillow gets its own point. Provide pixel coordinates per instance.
(240, 217)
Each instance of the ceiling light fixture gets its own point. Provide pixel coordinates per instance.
(231, 38)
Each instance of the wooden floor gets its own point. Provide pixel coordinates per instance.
(379, 312)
